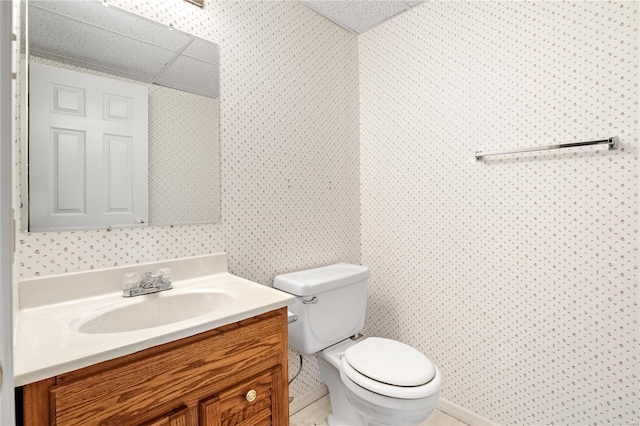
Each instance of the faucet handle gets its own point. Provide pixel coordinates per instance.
(153, 276)
(165, 273)
(130, 280)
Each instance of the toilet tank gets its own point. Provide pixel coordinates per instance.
(330, 304)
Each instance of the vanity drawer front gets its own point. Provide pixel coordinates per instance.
(142, 388)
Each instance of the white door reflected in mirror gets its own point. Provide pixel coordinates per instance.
(88, 153)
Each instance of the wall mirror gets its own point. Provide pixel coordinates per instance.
(122, 126)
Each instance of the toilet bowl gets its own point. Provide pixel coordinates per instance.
(356, 399)
(371, 381)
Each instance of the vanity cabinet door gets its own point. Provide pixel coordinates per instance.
(209, 412)
(248, 403)
(176, 418)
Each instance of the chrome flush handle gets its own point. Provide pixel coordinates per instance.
(311, 301)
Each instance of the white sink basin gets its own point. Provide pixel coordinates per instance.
(153, 310)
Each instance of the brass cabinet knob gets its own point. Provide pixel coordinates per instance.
(251, 395)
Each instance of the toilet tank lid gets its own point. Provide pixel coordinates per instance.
(319, 280)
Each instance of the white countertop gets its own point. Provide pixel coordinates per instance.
(46, 343)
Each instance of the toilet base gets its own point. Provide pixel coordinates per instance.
(377, 413)
(331, 421)
(342, 412)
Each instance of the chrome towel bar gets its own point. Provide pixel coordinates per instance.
(611, 142)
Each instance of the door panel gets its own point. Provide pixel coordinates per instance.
(68, 100)
(119, 177)
(117, 108)
(68, 181)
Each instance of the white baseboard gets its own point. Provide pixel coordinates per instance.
(300, 402)
(447, 407)
(462, 414)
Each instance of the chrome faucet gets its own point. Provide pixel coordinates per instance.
(151, 283)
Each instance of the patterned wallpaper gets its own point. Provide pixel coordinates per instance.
(289, 154)
(184, 157)
(517, 276)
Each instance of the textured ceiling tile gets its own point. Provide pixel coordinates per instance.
(358, 16)
(93, 13)
(191, 75)
(203, 50)
(69, 39)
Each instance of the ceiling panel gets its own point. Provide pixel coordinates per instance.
(111, 19)
(191, 75)
(360, 16)
(70, 39)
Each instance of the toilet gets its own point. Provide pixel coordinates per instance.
(371, 381)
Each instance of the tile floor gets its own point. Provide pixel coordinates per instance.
(316, 415)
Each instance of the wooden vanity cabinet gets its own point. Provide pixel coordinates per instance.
(233, 375)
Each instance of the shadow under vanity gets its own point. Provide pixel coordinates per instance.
(226, 366)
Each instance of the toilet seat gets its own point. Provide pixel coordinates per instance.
(391, 368)
(391, 362)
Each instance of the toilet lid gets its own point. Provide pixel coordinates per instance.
(357, 382)
(391, 362)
